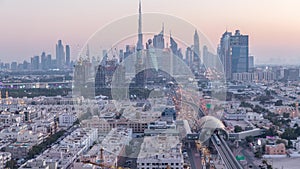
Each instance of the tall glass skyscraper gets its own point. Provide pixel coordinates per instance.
(196, 49)
(68, 59)
(234, 53)
(60, 54)
(158, 40)
(239, 52)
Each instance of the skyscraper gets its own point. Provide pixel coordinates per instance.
(189, 56)
(60, 54)
(100, 79)
(140, 34)
(13, 66)
(49, 62)
(251, 63)
(239, 52)
(225, 53)
(35, 61)
(43, 61)
(68, 59)
(25, 65)
(196, 49)
(139, 64)
(291, 74)
(158, 40)
(205, 56)
(234, 53)
(173, 45)
(82, 72)
(209, 59)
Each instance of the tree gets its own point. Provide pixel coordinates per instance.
(289, 134)
(286, 115)
(238, 129)
(280, 141)
(271, 132)
(249, 139)
(268, 93)
(246, 104)
(278, 103)
(297, 130)
(12, 164)
(266, 163)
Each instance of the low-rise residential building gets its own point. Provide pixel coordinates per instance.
(235, 116)
(64, 154)
(66, 119)
(112, 147)
(36, 164)
(253, 116)
(160, 152)
(296, 143)
(8, 119)
(276, 149)
(19, 150)
(30, 137)
(81, 138)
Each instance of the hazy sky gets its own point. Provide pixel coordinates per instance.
(28, 27)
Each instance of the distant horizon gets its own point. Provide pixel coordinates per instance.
(29, 29)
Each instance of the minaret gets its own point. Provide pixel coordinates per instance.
(140, 34)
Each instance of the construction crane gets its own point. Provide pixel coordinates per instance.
(101, 164)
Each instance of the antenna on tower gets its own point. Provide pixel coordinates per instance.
(140, 34)
(162, 29)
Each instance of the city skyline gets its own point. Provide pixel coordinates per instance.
(272, 40)
(149, 84)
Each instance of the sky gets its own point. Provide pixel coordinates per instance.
(27, 28)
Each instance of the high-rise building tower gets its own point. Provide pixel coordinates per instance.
(158, 40)
(68, 55)
(189, 56)
(49, 61)
(139, 64)
(60, 54)
(35, 63)
(225, 53)
(140, 34)
(196, 49)
(43, 61)
(100, 79)
(251, 63)
(13, 66)
(239, 52)
(234, 53)
(205, 56)
(173, 45)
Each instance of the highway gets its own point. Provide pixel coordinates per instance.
(223, 150)
(226, 154)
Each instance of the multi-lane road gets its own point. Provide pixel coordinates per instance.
(226, 154)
